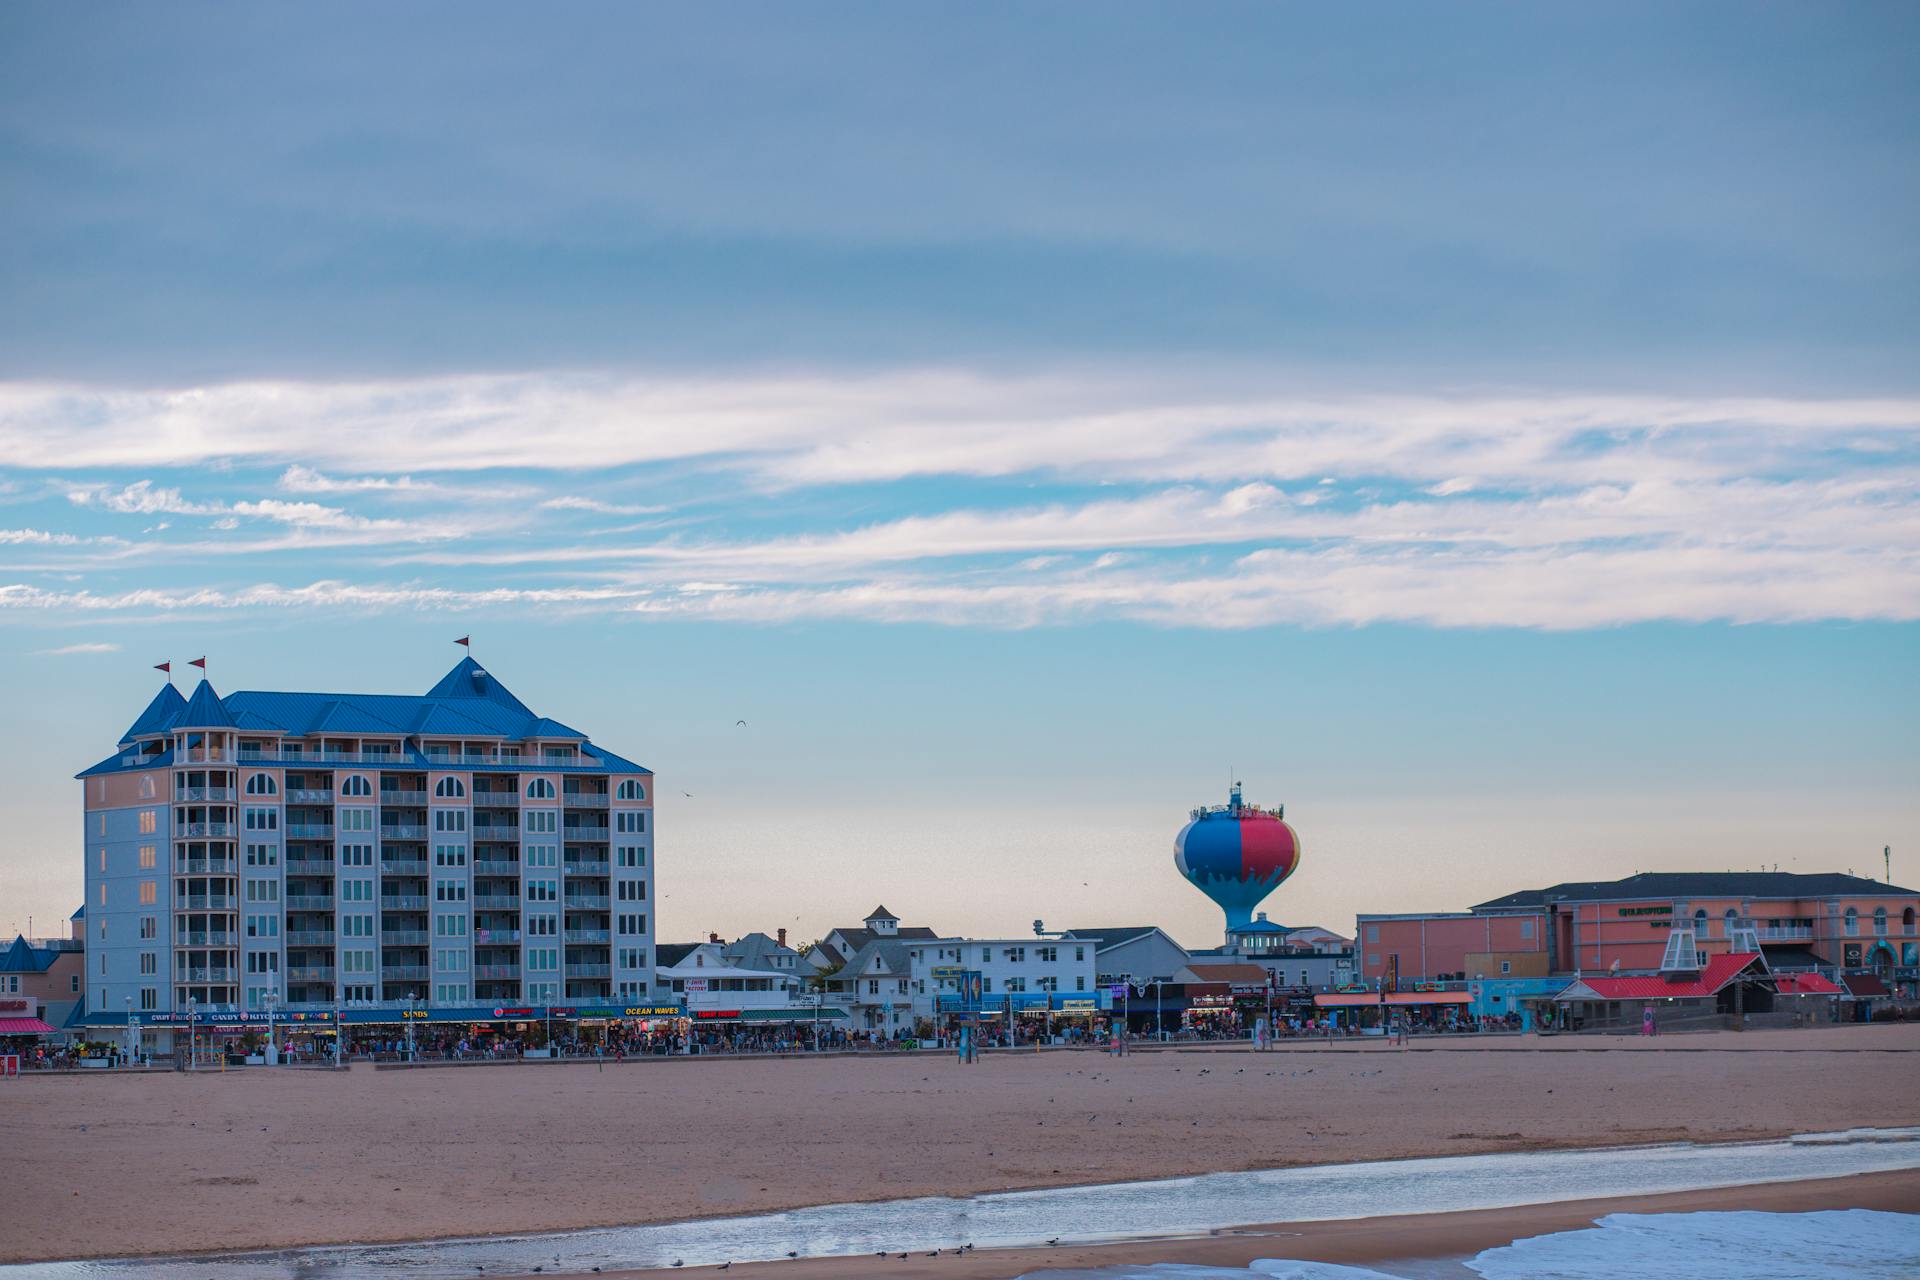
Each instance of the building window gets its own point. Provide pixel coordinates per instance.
(540, 789)
(263, 855)
(1373, 933)
(149, 927)
(263, 891)
(1853, 922)
(450, 788)
(356, 785)
(356, 819)
(356, 926)
(631, 855)
(449, 891)
(356, 891)
(631, 822)
(149, 999)
(450, 993)
(450, 926)
(262, 819)
(630, 789)
(148, 858)
(356, 855)
(631, 924)
(450, 855)
(1506, 966)
(262, 784)
(633, 891)
(545, 821)
(449, 819)
(149, 821)
(1880, 921)
(149, 893)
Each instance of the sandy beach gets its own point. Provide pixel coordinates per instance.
(170, 1163)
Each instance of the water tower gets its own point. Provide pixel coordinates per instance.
(1237, 854)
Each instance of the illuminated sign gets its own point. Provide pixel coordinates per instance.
(717, 1013)
(1647, 911)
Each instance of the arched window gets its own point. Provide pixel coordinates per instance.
(1906, 920)
(449, 788)
(1853, 922)
(147, 793)
(1700, 925)
(356, 785)
(262, 784)
(631, 790)
(1880, 921)
(539, 789)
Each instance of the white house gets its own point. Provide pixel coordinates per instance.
(702, 975)
(1035, 974)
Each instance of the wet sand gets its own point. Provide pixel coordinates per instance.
(1357, 1242)
(165, 1163)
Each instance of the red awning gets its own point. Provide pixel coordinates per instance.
(24, 1027)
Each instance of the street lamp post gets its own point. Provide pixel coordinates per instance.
(272, 998)
(412, 998)
(339, 1029)
(133, 1036)
(193, 1040)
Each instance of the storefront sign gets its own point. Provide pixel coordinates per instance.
(717, 1013)
(1647, 911)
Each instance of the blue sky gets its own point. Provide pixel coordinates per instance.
(1492, 432)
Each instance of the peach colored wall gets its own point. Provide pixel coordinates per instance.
(1440, 944)
(123, 790)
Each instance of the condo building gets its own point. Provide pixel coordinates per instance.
(319, 851)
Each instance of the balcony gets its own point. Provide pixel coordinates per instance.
(205, 938)
(389, 758)
(309, 902)
(202, 795)
(496, 972)
(310, 795)
(310, 973)
(496, 902)
(206, 830)
(403, 866)
(309, 937)
(205, 867)
(205, 902)
(403, 902)
(588, 901)
(403, 937)
(496, 937)
(589, 935)
(585, 970)
(495, 867)
(576, 834)
(586, 799)
(309, 831)
(403, 973)
(1787, 933)
(212, 973)
(309, 866)
(586, 867)
(404, 831)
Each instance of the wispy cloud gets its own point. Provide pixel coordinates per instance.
(66, 649)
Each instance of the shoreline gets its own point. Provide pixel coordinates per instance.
(1422, 1237)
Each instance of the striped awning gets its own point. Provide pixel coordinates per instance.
(24, 1027)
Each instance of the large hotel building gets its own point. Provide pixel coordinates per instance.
(320, 851)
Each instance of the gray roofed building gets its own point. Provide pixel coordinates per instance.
(1694, 884)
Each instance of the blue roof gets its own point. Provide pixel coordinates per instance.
(159, 715)
(24, 957)
(467, 702)
(204, 710)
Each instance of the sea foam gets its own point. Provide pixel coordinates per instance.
(1838, 1244)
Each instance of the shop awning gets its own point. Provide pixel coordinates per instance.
(807, 1014)
(24, 1027)
(1347, 1001)
(1429, 997)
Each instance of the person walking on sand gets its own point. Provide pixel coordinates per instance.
(1648, 1027)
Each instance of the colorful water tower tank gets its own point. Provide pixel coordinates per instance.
(1237, 854)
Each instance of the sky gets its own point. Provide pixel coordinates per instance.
(1492, 432)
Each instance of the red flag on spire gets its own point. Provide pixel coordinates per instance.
(465, 642)
(200, 662)
(164, 666)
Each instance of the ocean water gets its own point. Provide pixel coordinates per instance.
(1838, 1244)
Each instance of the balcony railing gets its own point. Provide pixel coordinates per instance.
(403, 973)
(310, 973)
(205, 902)
(586, 970)
(403, 902)
(589, 935)
(573, 834)
(310, 937)
(586, 799)
(394, 759)
(403, 937)
(205, 866)
(309, 795)
(588, 901)
(496, 937)
(586, 868)
(309, 902)
(213, 973)
(496, 972)
(309, 866)
(496, 902)
(1787, 933)
(205, 938)
(495, 867)
(403, 866)
(309, 831)
(202, 795)
(207, 830)
(404, 831)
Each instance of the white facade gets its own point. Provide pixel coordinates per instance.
(1020, 967)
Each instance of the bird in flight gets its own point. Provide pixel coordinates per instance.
(739, 721)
